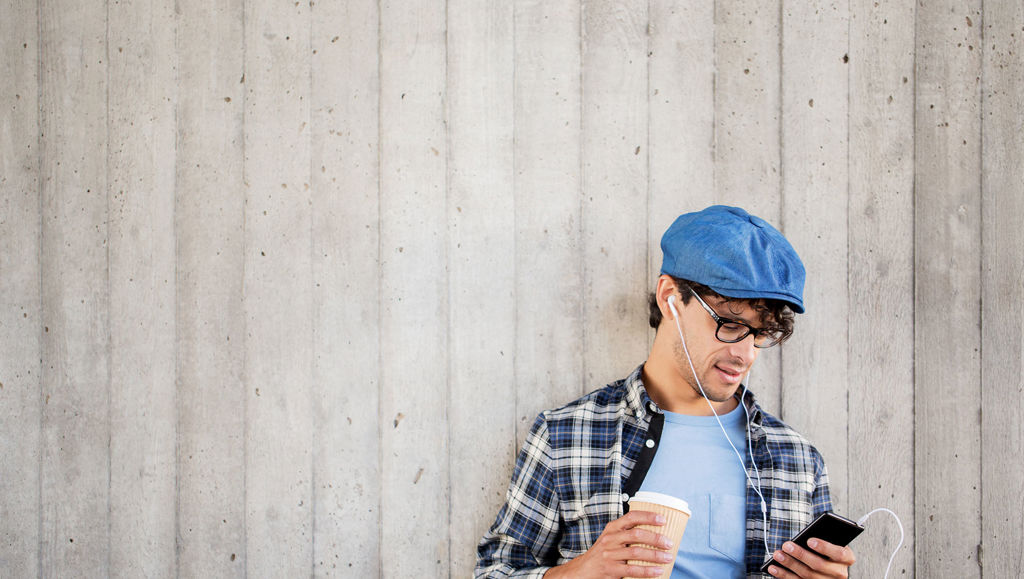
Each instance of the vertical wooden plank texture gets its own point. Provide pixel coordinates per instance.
(614, 150)
(529, 278)
(747, 105)
(482, 258)
(947, 287)
(20, 407)
(1002, 363)
(210, 324)
(414, 315)
(549, 280)
(346, 292)
(75, 298)
(881, 282)
(815, 180)
(278, 291)
(681, 117)
(141, 160)
(747, 135)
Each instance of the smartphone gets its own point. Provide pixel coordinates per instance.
(827, 527)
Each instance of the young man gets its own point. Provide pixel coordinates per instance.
(681, 424)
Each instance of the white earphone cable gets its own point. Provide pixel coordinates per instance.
(898, 545)
(743, 464)
(764, 507)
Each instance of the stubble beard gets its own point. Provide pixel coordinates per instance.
(710, 395)
(689, 376)
(707, 377)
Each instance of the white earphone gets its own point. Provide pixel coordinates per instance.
(672, 306)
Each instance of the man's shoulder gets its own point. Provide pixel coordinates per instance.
(603, 402)
(583, 429)
(786, 437)
(593, 416)
(775, 425)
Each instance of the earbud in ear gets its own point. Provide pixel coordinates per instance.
(672, 305)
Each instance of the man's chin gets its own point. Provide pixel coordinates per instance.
(719, 392)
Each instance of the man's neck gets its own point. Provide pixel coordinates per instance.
(672, 392)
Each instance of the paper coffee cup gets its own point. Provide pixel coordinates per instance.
(676, 513)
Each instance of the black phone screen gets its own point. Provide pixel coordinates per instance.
(827, 527)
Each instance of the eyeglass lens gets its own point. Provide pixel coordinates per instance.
(730, 332)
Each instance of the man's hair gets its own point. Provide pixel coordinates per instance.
(774, 314)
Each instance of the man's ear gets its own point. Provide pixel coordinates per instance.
(667, 288)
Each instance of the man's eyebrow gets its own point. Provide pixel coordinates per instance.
(737, 317)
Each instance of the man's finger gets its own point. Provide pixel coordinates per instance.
(641, 571)
(638, 536)
(634, 518)
(794, 566)
(810, 559)
(636, 553)
(836, 553)
(780, 572)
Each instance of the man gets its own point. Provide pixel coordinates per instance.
(680, 424)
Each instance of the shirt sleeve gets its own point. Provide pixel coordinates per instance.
(821, 498)
(522, 541)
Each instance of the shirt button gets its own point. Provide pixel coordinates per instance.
(650, 443)
(639, 413)
(652, 407)
(625, 498)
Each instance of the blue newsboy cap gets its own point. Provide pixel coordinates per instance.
(734, 253)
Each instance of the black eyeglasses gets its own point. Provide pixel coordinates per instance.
(732, 331)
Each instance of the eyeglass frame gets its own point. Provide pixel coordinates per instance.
(750, 329)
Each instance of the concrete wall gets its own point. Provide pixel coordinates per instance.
(283, 284)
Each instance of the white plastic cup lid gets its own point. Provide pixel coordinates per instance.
(661, 499)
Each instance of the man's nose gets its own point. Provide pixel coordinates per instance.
(744, 349)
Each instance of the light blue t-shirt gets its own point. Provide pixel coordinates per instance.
(696, 463)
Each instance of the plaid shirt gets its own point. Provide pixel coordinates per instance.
(581, 462)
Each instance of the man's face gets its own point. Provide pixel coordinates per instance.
(719, 365)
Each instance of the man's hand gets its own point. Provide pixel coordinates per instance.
(607, 558)
(828, 561)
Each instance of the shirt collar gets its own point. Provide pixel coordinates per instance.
(637, 400)
(750, 402)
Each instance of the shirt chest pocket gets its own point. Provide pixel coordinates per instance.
(727, 526)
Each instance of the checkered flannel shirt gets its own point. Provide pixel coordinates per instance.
(581, 462)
